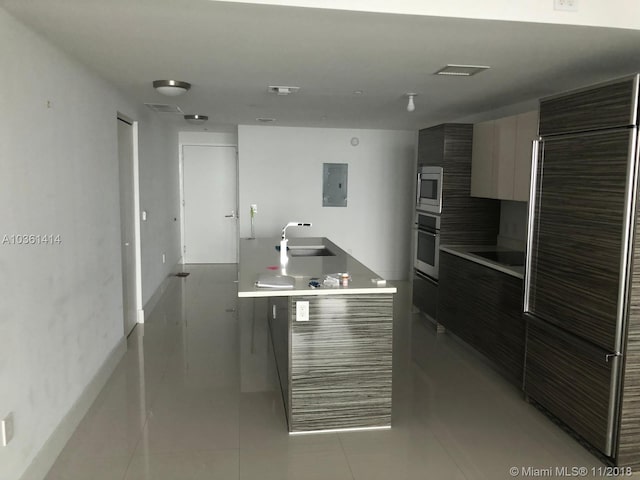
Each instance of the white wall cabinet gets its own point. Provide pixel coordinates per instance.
(501, 159)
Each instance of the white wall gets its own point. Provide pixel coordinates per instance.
(281, 171)
(610, 13)
(160, 198)
(208, 138)
(61, 305)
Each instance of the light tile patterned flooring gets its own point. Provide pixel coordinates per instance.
(196, 397)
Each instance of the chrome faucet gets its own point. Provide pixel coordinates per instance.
(283, 241)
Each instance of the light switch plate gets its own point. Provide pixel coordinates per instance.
(302, 311)
(6, 430)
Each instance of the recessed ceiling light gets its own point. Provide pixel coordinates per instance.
(282, 90)
(171, 88)
(196, 119)
(265, 120)
(461, 70)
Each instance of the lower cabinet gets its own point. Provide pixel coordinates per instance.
(483, 307)
(425, 295)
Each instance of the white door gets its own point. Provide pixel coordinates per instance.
(210, 204)
(127, 227)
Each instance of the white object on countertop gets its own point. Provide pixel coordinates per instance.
(275, 281)
(330, 281)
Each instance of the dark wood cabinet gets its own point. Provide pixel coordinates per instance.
(483, 307)
(464, 219)
(425, 295)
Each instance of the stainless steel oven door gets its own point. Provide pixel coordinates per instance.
(427, 252)
(429, 189)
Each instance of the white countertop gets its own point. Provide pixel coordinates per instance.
(259, 256)
(464, 251)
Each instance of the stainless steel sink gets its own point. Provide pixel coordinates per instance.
(310, 251)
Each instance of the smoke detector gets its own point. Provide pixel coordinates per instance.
(282, 90)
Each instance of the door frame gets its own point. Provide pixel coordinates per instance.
(181, 179)
(137, 247)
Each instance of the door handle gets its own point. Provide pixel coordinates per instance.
(233, 215)
(535, 157)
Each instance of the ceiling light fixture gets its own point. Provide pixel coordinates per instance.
(461, 70)
(411, 106)
(171, 88)
(196, 119)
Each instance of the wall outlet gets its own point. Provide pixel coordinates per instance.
(566, 5)
(302, 311)
(6, 430)
(164, 258)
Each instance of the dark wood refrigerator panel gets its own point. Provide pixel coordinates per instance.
(571, 379)
(604, 106)
(577, 234)
(629, 437)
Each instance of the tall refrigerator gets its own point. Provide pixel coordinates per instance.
(582, 277)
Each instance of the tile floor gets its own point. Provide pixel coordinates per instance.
(196, 397)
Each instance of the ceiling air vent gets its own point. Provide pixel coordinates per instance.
(265, 120)
(161, 108)
(282, 91)
(461, 70)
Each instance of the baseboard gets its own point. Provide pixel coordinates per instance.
(49, 452)
(155, 297)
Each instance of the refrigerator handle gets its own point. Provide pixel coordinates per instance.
(535, 150)
(611, 356)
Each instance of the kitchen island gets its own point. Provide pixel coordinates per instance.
(333, 345)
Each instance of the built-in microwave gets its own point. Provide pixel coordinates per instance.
(429, 189)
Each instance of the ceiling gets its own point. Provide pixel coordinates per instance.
(231, 52)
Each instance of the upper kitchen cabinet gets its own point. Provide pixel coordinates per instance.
(501, 159)
(526, 133)
(431, 146)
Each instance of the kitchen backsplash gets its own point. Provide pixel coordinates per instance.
(513, 225)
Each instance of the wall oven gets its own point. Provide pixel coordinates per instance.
(427, 243)
(429, 189)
